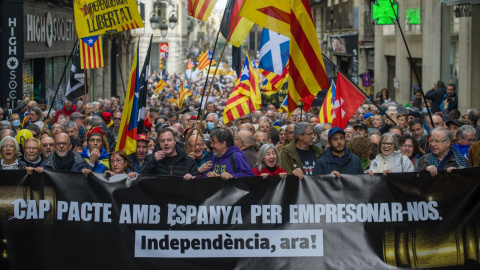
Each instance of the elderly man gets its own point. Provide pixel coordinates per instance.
(261, 138)
(244, 141)
(360, 130)
(168, 158)
(79, 119)
(64, 159)
(211, 122)
(288, 138)
(299, 156)
(465, 138)
(202, 157)
(229, 161)
(71, 129)
(117, 120)
(337, 159)
(443, 155)
(47, 144)
(138, 157)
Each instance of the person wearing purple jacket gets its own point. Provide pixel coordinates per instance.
(229, 161)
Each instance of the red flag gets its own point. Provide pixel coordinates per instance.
(347, 100)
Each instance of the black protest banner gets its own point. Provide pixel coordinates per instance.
(66, 220)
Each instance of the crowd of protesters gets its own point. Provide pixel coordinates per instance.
(383, 137)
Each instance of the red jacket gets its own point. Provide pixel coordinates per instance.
(64, 111)
(265, 170)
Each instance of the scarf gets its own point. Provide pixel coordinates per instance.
(13, 166)
(433, 160)
(63, 164)
(384, 163)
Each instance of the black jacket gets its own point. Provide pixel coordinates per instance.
(436, 96)
(180, 167)
(327, 163)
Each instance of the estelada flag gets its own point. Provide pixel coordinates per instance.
(234, 27)
(326, 112)
(347, 100)
(91, 52)
(184, 92)
(201, 9)
(93, 17)
(127, 134)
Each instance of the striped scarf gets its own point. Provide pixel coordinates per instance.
(433, 160)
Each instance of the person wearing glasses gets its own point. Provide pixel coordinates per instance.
(10, 149)
(120, 164)
(300, 155)
(410, 148)
(63, 159)
(48, 144)
(443, 155)
(195, 148)
(466, 135)
(117, 120)
(390, 159)
(31, 152)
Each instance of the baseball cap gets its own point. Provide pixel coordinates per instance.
(334, 130)
(360, 125)
(142, 137)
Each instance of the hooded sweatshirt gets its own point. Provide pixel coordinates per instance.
(224, 164)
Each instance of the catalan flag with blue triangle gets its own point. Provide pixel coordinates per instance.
(91, 52)
(184, 92)
(284, 106)
(326, 112)
(161, 84)
(276, 125)
(127, 135)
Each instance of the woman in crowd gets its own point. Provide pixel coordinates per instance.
(120, 164)
(96, 152)
(362, 147)
(31, 152)
(264, 126)
(390, 159)
(268, 162)
(35, 117)
(409, 148)
(282, 135)
(10, 150)
(377, 122)
(384, 96)
(402, 121)
(15, 121)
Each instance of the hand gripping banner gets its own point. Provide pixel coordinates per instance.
(98, 17)
(66, 220)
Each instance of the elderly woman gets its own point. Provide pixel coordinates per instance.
(96, 152)
(31, 152)
(16, 122)
(35, 117)
(264, 126)
(390, 159)
(268, 162)
(10, 150)
(410, 148)
(120, 164)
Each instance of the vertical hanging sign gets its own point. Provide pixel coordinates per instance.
(12, 52)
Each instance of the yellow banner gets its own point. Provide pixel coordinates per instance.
(98, 17)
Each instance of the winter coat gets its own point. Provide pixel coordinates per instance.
(225, 162)
(436, 96)
(328, 162)
(64, 111)
(78, 164)
(251, 156)
(265, 170)
(423, 162)
(290, 160)
(102, 163)
(21, 165)
(183, 164)
(400, 163)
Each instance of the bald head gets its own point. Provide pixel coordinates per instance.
(374, 138)
(243, 139)
(247, 126)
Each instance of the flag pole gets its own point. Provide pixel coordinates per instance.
(120, 68)
(208, 73)
(60, 82)
(85, 86)
(412, 65)
(356, 86)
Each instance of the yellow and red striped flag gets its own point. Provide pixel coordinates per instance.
(326, 112)
(246, 96)
(201, 9)
(274, 82)
(161, 84)
(184, 91)
(127, 135)
(91, 52)
(270, 14)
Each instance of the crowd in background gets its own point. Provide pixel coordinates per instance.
(383, 136)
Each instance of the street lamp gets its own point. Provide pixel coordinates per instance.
(158, 17)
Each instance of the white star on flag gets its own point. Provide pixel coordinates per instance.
(90, 41)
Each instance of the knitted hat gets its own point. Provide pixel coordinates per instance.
(106, 116)
(95, 131)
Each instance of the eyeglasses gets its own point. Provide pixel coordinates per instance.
(117, 119)
(310, 134)
(7, 146)
(116, 161)
(197, 145)
(61, 144)
(47, 144)
(436, 141)
(468, 140)
(295, 116)
(407, 145)
(31, 148)
(387, 143)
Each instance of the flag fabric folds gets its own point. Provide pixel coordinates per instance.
(284, 107)
(127, 134)
(276, 125)
(274, 51)
(204, 59)
(142, 88)
(326, 111)
(184, 92)
(307, 70)
(270, 14)
(76, 81)
(234, 27)
(201, 9)
(274, 82)
(347, 100)
(246, 96)
(190, 64)
(161, 84)
(91, 52)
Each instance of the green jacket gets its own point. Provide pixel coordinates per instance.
(290, 159)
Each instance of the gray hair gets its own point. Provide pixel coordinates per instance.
(262, 152)
(318, 127)
(448, 134)
(95, 121)
(465, 129)
(8, 138)
(95, 103)
(70, 124)
(300, 129)
(38, 111)
(389, 135)
(324, 137)
(214, 114)
(5, 124)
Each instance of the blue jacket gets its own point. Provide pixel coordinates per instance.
(102, 163)
(135, 163)
(328, 162)
(224, 164)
